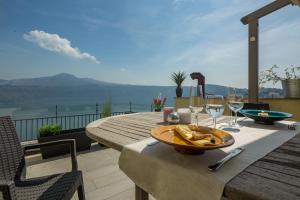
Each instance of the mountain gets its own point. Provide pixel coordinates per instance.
(62, 79)
(67, 89)
(2, 81)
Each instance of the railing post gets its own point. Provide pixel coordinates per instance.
(96, 110)
(129, 106)
(56, 113)
(151, 107)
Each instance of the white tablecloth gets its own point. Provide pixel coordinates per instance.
(167, 174)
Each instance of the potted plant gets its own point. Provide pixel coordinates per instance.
(48, 133)
(290, 80)
(178, 78)
(159, 103)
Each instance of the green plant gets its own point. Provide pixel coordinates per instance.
(178, 77)
(159, 102)
(262, 79)
(48, 130)
(107, 108)
(272, 74)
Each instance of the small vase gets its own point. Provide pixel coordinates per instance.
(157, 109)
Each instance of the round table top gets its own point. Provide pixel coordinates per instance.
(118, 131)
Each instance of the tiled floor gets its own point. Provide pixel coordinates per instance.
(102, 177)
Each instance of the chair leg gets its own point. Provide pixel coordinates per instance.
(80, 191)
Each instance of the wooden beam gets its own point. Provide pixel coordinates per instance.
(295, 2)
(271, 7)
(253, 62)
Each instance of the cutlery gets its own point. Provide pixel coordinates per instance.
(153, 143)
(220, 163)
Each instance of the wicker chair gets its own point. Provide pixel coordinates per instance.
(13, 184)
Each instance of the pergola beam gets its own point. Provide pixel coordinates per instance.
(271, 7)
(253, 51)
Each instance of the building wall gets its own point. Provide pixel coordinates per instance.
(285, 105)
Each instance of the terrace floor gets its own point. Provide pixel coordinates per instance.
(102, 177)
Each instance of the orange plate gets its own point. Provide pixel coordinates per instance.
(168, 135)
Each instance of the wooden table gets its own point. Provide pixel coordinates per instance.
(275, 176)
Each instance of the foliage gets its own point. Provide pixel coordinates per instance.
(159, 102)
(262, 79)
(178, 77)
(272, 74)
(107, 107)
(49, 130)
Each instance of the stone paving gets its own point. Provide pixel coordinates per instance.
(102, 177)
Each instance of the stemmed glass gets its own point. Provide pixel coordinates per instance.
(196, 101)
(214, 106)
(235, 103)
(230, 91)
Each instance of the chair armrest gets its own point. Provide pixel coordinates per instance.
(7, 188)
(71, 143)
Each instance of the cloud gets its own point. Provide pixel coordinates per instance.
(279, 46)
(229, 57)
(218, 18)
(55, 43)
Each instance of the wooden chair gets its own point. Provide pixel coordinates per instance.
(14, 185)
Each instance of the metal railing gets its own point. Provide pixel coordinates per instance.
(28, 128)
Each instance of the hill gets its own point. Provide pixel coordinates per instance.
(62, 79)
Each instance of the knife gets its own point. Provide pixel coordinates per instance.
(221, 162)
(153, 143)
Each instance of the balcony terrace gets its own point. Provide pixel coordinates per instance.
(271, 170)
(104, 180)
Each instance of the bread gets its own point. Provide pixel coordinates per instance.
(195, 137)
(263, 114)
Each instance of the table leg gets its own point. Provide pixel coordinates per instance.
(140, 194)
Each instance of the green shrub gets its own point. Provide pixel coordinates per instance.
(107, 108)
(48, 130)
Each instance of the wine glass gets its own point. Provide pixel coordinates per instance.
(214, 106)
(230, 91)
(235, 103)
(196, 101)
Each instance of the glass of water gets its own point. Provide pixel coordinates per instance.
(196, 104)
(235, 103)
(214, 106)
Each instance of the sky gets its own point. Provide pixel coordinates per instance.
(142, 42)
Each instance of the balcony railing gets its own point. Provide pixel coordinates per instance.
(27, 128)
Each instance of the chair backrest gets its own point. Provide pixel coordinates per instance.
(11, 153)
(258, 106)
